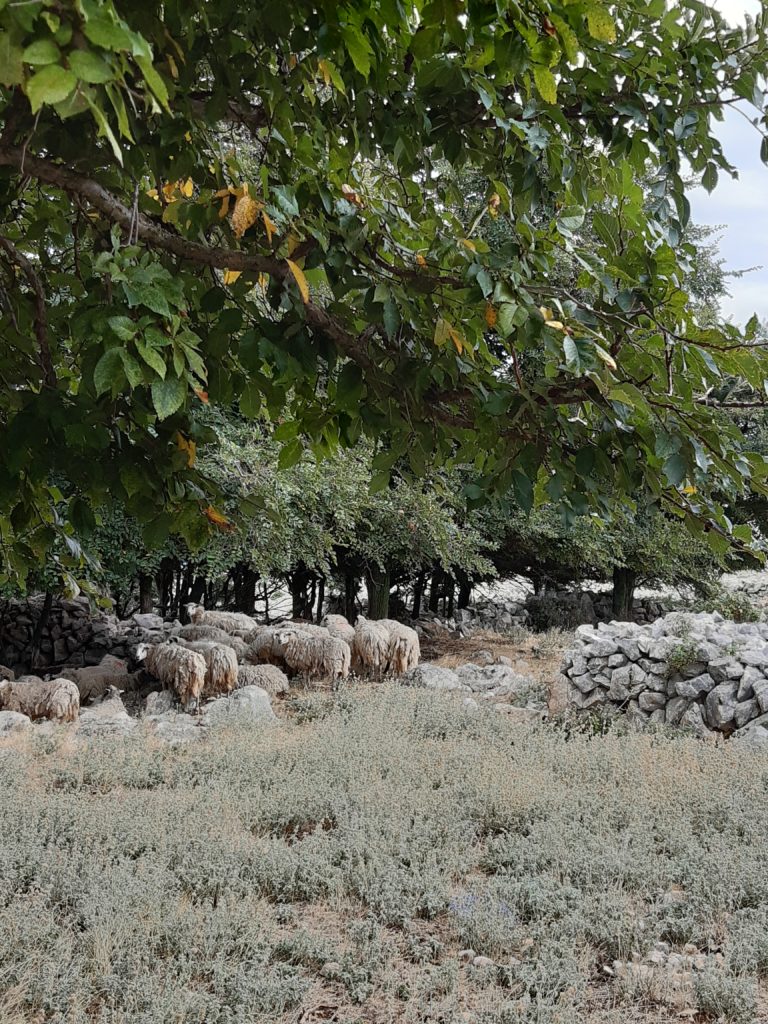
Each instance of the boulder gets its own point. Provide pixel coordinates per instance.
(480, 678)
(148, 621)
(159, 703)
(433, 677)
(755, 733)
(249, 704)
(721, 705)
(13, 721)
(108, 718)
(694, 687)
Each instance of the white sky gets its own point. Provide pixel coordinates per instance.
(741, 206)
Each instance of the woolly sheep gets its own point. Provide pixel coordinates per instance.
(56, 699)
(177, 668)
(268, 677)
(220, 666)
(228, 621)
(370, 648)
(316, 657)
(219, 636)
(266, 644)
(403, 650)
(94, 680)
(339, 627)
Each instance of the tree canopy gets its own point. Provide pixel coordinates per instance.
(260, 205)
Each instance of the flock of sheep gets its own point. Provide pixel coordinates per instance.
(219, 652)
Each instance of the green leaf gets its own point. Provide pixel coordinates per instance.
(151, 357)
(572, 358)
(709, 177)
(153, 80)
(358, 48)
(133, 370)
(676, 469)
(168, 396)
(250, 400)
(11, 66)
(391, 318)
(123, 327)
(105, 129)
(545, 83)
(90, 67)
(42, 51)
(81, 516)
(108, 34)
(379, 482)
(108, 371)
(290, 454)
(510, 316)
(50, 85)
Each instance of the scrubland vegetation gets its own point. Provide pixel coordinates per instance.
(340, 866)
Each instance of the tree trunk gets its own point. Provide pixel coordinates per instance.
(298, 584)
(37, 636)
(465, 593)
(350, 593)
(418, 594)
(320, 598)
(145, 593)
(448, 599)
(377, 581)
(434, 590)
(197, 590)
(624, 583)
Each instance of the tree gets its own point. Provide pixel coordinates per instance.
(252, 203)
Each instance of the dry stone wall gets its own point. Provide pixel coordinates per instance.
(693, 670)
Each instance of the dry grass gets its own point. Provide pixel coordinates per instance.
(332, 869)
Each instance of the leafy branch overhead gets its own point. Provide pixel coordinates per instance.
(261, 205)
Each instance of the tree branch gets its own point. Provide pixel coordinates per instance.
(41, 329)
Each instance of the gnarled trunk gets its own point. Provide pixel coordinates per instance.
(624, 583)
(145, 593)
(377, 581)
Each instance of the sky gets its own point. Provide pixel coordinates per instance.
(740, 206)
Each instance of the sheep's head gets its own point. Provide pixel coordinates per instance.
(5, 691)
(142, 651)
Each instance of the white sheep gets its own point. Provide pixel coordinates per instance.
(338, 626)
(316, 656)
(266, 644)
(403, 650)
(177, 668)
(220, 666)
(94, 680)
(55, 699)
(219, 636)
(268, 677)
(370, 648)
(230, 622)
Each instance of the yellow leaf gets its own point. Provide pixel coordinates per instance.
(689, 490)
(469, 244)
(545, 83)
(187, 136)
(293, 243)
(187, 445)
(420, 260)
(230, 276)
(187, 187)
(556, 325)
(457, 339)
(224, 206)
(172, 66)
(490, 315)
(169, 191)
(493, 205)
(606, 357)
(301, 281)
(152, 193)
(351, 195)
(442, 331)
(263, 279)
(215, 517)
(293, 60)
(269, 226)
(325, 71)
(244, 214)
(600, 24)
(202, 395)
(546, 312)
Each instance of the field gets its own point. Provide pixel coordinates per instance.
(382, 856)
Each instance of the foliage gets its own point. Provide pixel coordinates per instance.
(214, 882)
(254, 203)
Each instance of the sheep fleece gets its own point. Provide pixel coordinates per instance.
(57, 699)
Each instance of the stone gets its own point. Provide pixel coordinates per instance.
(629, 648)
(693, 669)
(760, 689)
(694, 687)
(250, 704)
(483, 961)
(676, 708)
(636, 719)
(60, 650)
(108, 718)
(650, 701)
(470, 704)
(617, 660)
(658, 717)
(578, 666)
(756, 657)
(585, 683)
(721, 704)
(725, 668)
(159, 703)
(601, 649)
(433, 677)
(751, 677)
(755, 733)
(177, 730)
(582, 701)
(13, 721)
(148, 621)
(491, 677)
(626, 682)
(744, 711)
(693, 719)
(7, 673)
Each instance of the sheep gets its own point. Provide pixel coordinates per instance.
(268, 677)
(177, 668)
(370, 648)
(219, 636)
(57, 699)
(403, 650)
(266, 643)
(94, 680)
(316, 657)
(220, 666)
(228, 621)
(338, 626)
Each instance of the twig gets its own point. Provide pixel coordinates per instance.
(41, 330)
